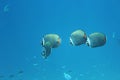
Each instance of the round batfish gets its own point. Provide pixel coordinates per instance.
(96, 39)
(50, 41)
(78, 37)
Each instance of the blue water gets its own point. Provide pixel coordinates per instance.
(24, 22)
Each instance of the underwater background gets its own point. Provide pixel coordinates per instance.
(23, 23)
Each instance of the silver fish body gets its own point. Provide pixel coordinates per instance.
(96, 39)
(78, 37)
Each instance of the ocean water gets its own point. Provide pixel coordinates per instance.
(23, 23)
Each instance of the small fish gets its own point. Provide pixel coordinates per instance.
(67, 76)
(20, 72)
(6, 8)
(35, 64)
(11, 76)
(69, 71)
(113, 35)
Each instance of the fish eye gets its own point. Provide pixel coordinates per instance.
(71, 43)
(42, 43)
(87, 44)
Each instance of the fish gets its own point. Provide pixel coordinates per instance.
(20, 72)
(67, 76)
(11, 76)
